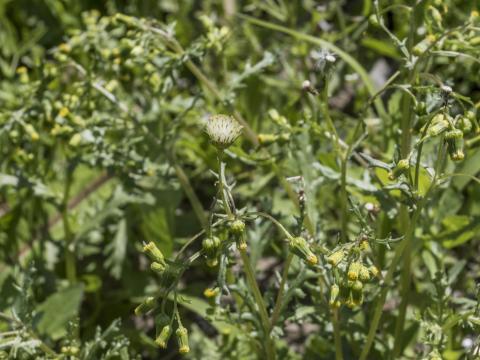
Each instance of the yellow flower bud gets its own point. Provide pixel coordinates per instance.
(300, 247)
(373, 270)
(364, 274)
(454, 139)
(211, 292)
(145, 306)
(164, 336)
(353, 271)
(335, 258)
(334, 292)
(182, 337)
(64, 112)
(154, 253)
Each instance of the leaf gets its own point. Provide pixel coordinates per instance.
(157, 222)
(119, 199)
(455, 270)
(470, 166)
(381, 47)
(117, 250)
(200, 307)
(374, 162)
(57, 310)
(458, 230)
(250, 70)
(8, 180)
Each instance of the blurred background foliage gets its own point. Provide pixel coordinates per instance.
(102, 148)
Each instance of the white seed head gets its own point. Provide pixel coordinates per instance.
(447, 89)
(223, 130)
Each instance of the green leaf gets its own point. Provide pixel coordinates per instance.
(57, 310)
(117, 250)
(158, 221)
(200, 307)
(381, 47)
(458, 230)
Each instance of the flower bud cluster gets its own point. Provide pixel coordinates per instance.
(453, 131)
(211, 247)
(352, 274)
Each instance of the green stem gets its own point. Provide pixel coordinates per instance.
(383, 294)
(344, 198)
(281, 290)
(398, 256)
(70, 266)
(192, 197)
(221, 185)
(343, 157)
(252, 282)
(404, 218)
(336, 335)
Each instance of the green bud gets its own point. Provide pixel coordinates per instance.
(334, 292)
(423, 45)
(464, 124)
(145, 306)
(212, 262)
(357, 298)
(373, 270)
(153, 252)
(299, 246)
(372, 19)
(470, 115)
(357, 286)
(421, 108)
(438, 125)
(434, 16)
(210, 246)
(164, 336)
(241, 243)
(267, 139)
(335, 258)
(454, 139)
(182, 337)
(401, 168)
(364, 274)
(237, 227)
(158, 268)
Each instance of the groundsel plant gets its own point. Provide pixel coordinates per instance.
(434, 116)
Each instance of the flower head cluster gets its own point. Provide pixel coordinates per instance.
(222, 130)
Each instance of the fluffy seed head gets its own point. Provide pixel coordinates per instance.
(222, 130)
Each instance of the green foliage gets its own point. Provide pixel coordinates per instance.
(239, 179)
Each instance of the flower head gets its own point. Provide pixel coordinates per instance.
(223, 130)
